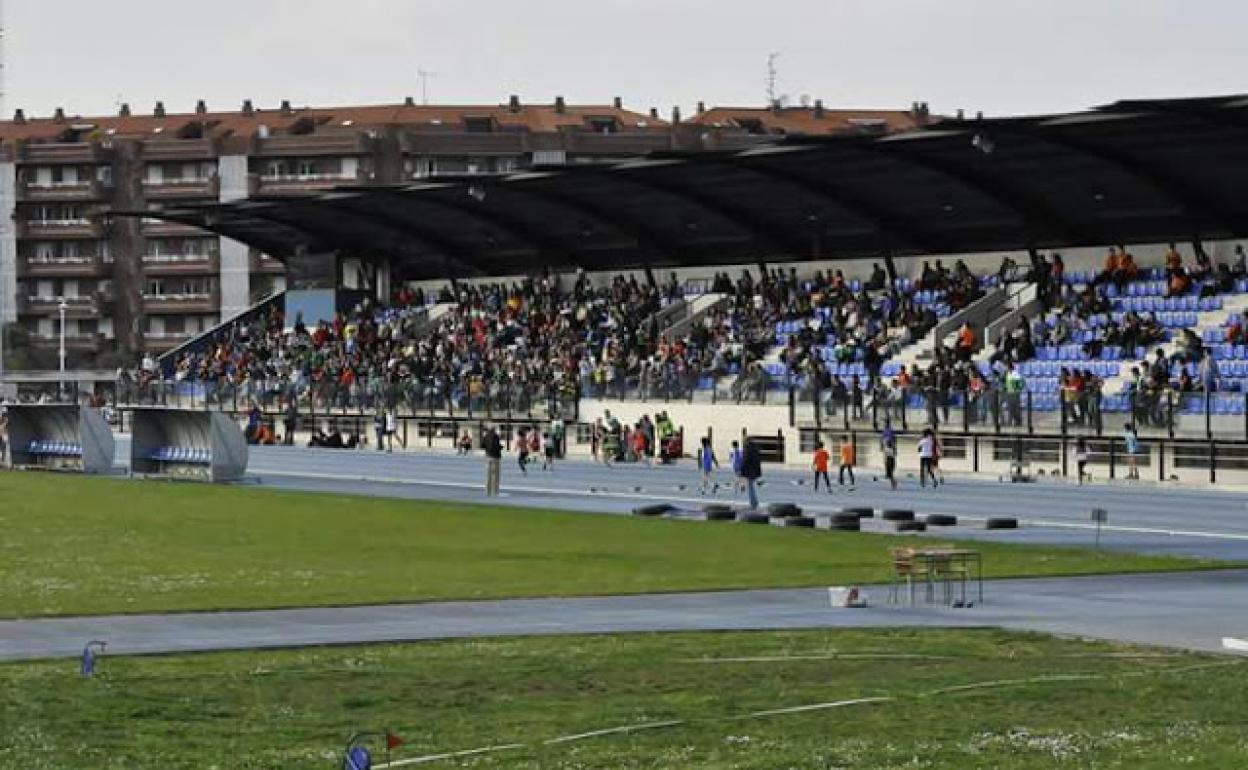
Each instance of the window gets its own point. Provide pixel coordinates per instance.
(175, 324)
(155, 287)
(88, 327)
(603, 125)
(104, 174)
(307, 168)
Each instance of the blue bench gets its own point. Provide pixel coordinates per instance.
(54, 449)
(175, 454)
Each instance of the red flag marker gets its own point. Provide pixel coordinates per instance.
(393, 741)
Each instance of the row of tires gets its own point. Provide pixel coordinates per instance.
(848, 519)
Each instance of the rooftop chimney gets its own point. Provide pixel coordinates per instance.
(701, 107)
(19, 117)
(513, 103)
(59, 117)
(654, 112)
(160, 110)
(248, 108)
(961, 114)
(560, 105)
(409, 101)
(979, 115)
(124, 110)
(676, 115)
(286, 108)
(818, 108)
(618, 102)
(201, 107)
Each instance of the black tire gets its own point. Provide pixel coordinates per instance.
(862, 513)
(1001, 522)
(722, 513)
(800, 521)
(653, 510)
(897, 514)
(784, 509)
(846, 526)
(941, 520)
(754, 518)
(911, 526)
(844, 518)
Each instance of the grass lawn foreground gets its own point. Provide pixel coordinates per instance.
(955, 700)
(81, 546)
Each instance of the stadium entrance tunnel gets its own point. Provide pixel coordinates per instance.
(59, 437)
(187, 444)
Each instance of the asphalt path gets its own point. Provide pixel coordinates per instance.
(1194, 611)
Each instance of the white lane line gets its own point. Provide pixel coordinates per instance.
(845, 656)
(817, 707)
(452, 755)
(1031, 523)
(614, 731)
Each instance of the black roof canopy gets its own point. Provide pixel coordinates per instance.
(1130, 172)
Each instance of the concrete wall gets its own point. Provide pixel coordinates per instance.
(723, 422)
(235, 257)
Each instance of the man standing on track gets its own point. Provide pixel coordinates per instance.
(707, 463)
(820, 467)
(927, 450)
(493, 461)
(888, 447)
(848, 460)
(751, 470)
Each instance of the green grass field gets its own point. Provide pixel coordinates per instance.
(1055, 704)
(74, 545)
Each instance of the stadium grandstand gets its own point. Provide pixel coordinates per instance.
(1040, 278)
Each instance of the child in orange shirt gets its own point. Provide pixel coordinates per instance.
(820, 466)
(847, 461)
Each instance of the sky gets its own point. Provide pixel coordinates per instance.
(1001, 57)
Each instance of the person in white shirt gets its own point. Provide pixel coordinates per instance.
(927, 450)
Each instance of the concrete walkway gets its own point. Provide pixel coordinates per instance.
(1187, 610)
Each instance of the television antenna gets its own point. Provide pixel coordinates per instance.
(772, 76)
(424, 76)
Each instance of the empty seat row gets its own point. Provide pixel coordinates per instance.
(1188, 304)
(54, 449)
(177, 454)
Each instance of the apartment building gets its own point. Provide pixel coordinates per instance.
(128, 284)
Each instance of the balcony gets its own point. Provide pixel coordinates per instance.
(458, 143)
(180, 304)
(61, 267)
(62, 153)
(156, 228)
(155, 265)
(206, 187)
(263, 263)
(76, 307)
(162, 342)
(62, 228)
(312, 145)
(295, 184)
(179, 149)
(36, 192)
(75, 343)
(622, 143)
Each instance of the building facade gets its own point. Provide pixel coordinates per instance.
(131, 284)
